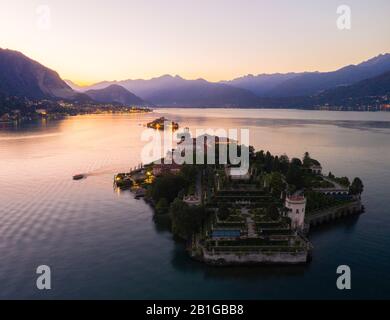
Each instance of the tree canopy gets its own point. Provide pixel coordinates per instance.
(162, 206)
(223, 211)
(273, 212)
(186, 220)
(276, 184)
(295, 174)
(167, 186)
(357, 187)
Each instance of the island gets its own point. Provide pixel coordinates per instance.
(161, 123)
(261, 217)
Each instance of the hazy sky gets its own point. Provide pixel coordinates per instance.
(89, 41)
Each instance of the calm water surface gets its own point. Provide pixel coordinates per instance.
(103, 244)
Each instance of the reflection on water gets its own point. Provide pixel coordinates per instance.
(102, 243)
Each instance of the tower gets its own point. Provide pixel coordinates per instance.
(296, 206)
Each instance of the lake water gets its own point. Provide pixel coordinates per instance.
(103, 244)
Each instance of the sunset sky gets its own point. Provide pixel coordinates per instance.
(89, 41)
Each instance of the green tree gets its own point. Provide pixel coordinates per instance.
(162, 206)
(168, 187)
(273, 212)
(344, 181)
(269, 159)
(306, 160)
(189, 173)
(284, 163)
(276, 164)
(223, 211)
(186, 220)
(276, 184)
(260, 156)
(251, 152)
(295, 175)
(357, 187)
(296, 162)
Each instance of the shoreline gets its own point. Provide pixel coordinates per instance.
(270, 108)
(328, 215)
(59, 116)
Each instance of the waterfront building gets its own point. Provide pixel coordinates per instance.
(296, 209)
(316, 169)
(41, 112)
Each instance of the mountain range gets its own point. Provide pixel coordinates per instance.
(311, 83)
(23, 77)
(176, 91)
(264, 90)
(115, 94)
(364, 92)
(365, 89)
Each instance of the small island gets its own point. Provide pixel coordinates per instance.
(262, 217)
(160, 123)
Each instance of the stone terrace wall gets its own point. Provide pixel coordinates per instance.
(334, 213)
(255, 258)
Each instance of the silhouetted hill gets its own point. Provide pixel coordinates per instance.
(291, 90)
(311, 83)
(314, 83)
(115, 94)
(23, 77)
(261, 84)
(176, 91)
(366, 92)
(374, 87)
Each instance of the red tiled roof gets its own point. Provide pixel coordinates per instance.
(296, 198)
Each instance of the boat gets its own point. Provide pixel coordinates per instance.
(140, 193)
(79, 176)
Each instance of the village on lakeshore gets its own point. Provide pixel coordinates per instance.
(261, 217)
(31, 110)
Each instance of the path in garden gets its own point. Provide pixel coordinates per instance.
(250, 224)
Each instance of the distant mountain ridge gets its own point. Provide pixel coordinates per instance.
(172, 89)
(311, 83)
(175, 91)
(373, 87)
(115, 94)
(24, 77)
(364, 92)
(261, 84)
